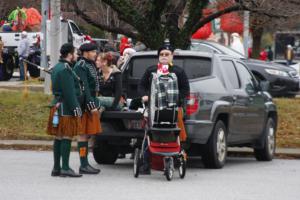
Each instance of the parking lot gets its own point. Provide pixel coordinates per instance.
(241, 179)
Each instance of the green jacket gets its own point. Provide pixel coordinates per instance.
(87, 72)
(66, 89)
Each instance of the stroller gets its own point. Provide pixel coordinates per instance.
(161, 131)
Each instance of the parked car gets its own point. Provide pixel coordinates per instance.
(284, 80)
(226, 107)
(69, 33)
(295, 65)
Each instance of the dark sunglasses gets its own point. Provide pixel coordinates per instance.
(164, 54)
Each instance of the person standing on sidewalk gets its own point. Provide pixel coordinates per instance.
(85, 68)
(23, 52)
(1, 50)
(289, 54)
(270, 53)
(64, 120)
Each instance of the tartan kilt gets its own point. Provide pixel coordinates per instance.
(68, 126)
(91, 123)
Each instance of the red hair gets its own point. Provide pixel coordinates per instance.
(108, 57)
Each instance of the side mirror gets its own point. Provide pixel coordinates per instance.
(264, 85)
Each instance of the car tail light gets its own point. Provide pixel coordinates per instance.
(192, 104)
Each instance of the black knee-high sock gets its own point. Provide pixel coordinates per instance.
(65, 153)
(56, 153)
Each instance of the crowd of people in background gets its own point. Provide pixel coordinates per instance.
(122, 50)
(266, 54)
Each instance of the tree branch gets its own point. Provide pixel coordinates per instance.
(195, 12)
(89, 20)
(271, 15)
(217, 14)
(156, 9)
(127, 13)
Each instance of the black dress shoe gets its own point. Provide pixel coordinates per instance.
(88, 170)
(55, 172)
(95, 169)
(69, 173)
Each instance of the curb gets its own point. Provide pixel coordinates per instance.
(282, 153)
(33, 88)
(38, 145)
(42, 145)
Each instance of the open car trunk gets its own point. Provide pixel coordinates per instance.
(122, 124)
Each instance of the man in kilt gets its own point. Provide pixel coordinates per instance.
(85, 68)
(65, 114)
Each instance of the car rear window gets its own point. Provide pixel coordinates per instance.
(195, 67)
(140, 64)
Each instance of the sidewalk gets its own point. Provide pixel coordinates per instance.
(47, 145)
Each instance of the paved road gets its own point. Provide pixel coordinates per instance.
(26, 175)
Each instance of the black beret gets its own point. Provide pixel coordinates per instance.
(66, 48)
(165, 47)
(88, 47)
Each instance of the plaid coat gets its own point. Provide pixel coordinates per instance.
(166, 91)
(144, 86)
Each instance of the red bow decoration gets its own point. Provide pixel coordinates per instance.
(162, 69)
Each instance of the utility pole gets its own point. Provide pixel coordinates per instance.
(43, 36)
(246, 32)
(55, 38)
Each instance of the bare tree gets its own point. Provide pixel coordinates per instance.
(152, 21)
(271, 16)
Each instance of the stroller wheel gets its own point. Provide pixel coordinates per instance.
(169, 168)
(182, 168)
(136, 163)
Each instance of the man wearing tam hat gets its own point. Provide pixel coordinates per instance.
(85, 68)
(65, 114)
(165, 66)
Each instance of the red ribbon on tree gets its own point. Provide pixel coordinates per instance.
(203, 32)
(232, 23)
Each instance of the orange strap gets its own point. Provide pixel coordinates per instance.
(182, 134)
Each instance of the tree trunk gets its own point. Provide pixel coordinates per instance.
(257, 35)
(153, 39)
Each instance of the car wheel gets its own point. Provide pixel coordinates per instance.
(215, 151)
(267, 152)
(104, 153)
(7, 67)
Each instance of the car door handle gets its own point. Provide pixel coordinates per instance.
(251, 99)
